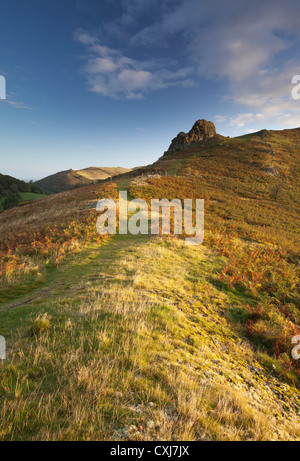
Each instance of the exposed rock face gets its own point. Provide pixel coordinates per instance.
(201, 130)
(263, 133)
(272, 171)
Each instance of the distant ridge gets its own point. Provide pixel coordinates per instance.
(66, 180)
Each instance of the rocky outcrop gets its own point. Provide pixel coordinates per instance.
(263, 133)
(201, 131)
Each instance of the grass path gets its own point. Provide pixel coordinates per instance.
(132, 340)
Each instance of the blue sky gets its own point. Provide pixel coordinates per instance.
(111, 82)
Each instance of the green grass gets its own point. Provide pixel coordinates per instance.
(25, 196)
(149, 339)
(172, 170)
(117, 344)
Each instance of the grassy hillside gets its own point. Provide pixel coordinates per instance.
(143, 337)
(25, 197)
(40, 234)
(14, 191)
(252, 220)
(119, 344)
(28, 196)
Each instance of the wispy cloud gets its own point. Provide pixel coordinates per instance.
(247, 45)
(16, 105)
(111, 73)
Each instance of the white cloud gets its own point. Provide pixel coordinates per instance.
(243, 44)
(241, 120)
(101, 65)
(221, 118)
(84, 38)
(133, 79)
(111, 73)
(270, 96)
(245, 118)
(231, 41)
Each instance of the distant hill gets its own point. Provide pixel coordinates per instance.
(68, 179)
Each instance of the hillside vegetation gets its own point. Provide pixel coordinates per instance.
(13, 191)
(145, 338)
(251, 190)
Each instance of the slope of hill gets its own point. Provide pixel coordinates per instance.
(13, 191)
(66, 180)
(142, 337)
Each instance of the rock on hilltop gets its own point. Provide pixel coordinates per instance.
(201, 131)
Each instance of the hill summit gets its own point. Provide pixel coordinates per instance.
(201, 130)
